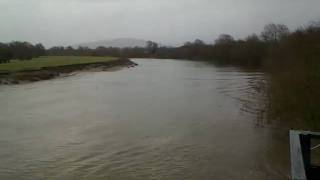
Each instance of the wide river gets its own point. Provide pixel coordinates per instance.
(161, 120)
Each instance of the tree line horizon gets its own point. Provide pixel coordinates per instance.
(225, 49)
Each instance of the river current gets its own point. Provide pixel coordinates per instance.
(161, 120)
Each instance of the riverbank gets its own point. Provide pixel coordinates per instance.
(46, 73)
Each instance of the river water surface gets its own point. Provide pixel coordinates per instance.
(161, 120)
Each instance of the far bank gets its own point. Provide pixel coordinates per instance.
(49, 67)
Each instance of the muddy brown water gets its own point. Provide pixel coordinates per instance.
(164, 119)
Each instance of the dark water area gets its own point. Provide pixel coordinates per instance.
(164, 119)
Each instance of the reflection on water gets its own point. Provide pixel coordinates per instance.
(251, 94)
(165, 119)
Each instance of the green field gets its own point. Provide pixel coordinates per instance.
(51, 61)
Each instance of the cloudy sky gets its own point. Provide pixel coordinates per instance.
(64, 22)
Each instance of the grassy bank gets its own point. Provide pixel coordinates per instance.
(51, 61)
(45, 68)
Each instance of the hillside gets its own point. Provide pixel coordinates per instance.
(119, 42)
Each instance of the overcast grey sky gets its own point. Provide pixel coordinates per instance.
(64, 22)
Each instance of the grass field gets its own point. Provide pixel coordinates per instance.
(51, 61)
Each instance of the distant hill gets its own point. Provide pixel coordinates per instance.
(120, 43)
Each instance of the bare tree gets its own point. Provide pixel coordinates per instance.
(224, 39)
(151, 47)
(39, 50)
(198, 42)
(274, 32)
(5, 54)
(252, 38)
(188, 43)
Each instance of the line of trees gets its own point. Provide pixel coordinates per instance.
(250, 51)
(293, 65)
(20, 50)
(225, 50)
(99, 51)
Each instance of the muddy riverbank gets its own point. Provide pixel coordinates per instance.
(53, 72)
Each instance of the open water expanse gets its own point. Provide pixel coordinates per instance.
(161, 120)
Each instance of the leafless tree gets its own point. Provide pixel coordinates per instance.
(252, 38)
(274, 32)
(224, 39)
(152, 47)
